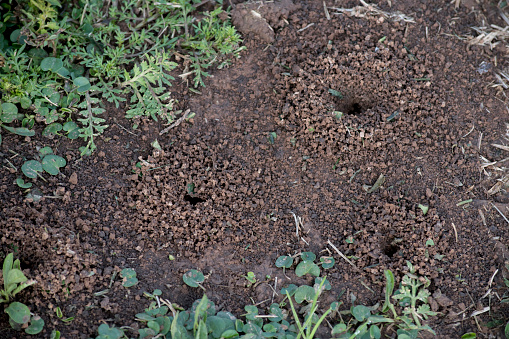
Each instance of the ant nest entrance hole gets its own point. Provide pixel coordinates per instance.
(353, 104)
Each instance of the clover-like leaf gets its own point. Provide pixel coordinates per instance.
(304, 293)
(51, 64)
(8, 113)
(82, 84)
(327, 262)
(105, 332)
(308, 256)
(193, 278)
(128, 277)
(290, 289)
(31, 167)
(52, 129)
(72, 129)
(326, 284)
(36, 325)
(361, 312)
(284, 261)
(45, 151)
(252, 312)
(18, 312)
(51, 163)
(307, 267)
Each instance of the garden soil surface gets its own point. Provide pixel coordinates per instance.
(301, 126)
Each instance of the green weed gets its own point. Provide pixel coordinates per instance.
(59, 62)
(14, 282)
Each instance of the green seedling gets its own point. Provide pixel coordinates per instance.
(128, 276)
(327, 262)
(472, 335)
(22, 184)
(8, 114)
(78, 63)
(413, 297)
(284, 261)
(272, 137)
(60, 315)
(21, 318)
(306, 329)
(14, 279)
(49, 163)
(106, 332)
(153, 295)
(423, 208)
(251, 278)
(194, 278)
(55, 334)
(336, 93)
(307, 266)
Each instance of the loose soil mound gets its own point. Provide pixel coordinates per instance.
(304, 126)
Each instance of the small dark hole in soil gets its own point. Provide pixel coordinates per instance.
(390, 250)
(354, 109)
(193, 200)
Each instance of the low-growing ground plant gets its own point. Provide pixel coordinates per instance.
(58, 62)
(298, 315)
(15, 281)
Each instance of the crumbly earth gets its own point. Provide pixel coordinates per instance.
(304, 125)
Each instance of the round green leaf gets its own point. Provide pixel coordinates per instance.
(69, 126)
(51, 64)
(15, 35)
(308, 256)
(290, 289)
(374, 332)
(37, 54)
(36, 325)
(52, 129)
(193, 278)
(25, 102)
(82, 83)
(72, 130)
(361, 312)
(339, 328)
(51, 163)
(307, 267)
(18, 312)
(284, 261)
(63, 71)
(275, 310)
(326, 285)
(21, 183)
(304, 293)
(87, 29)
(327, 262)
(229, 334)
(31, 167)
(106, 332)
(128, 277)
(9, 112)
(45, 151)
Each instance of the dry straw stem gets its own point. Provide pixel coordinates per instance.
(373, 10)
(343, 256)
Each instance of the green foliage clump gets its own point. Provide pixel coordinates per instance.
(59, 61)
(14, 282)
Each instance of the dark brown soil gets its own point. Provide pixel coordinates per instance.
(415, 109)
